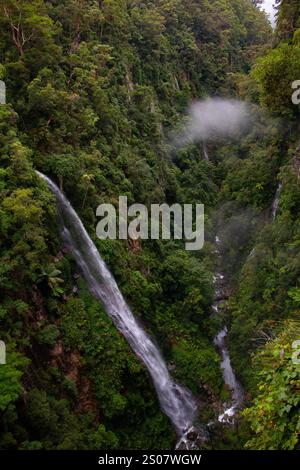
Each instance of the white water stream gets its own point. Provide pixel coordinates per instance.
(230, 380)
(275, 204)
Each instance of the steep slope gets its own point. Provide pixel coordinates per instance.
(264, 310)
(93, 89)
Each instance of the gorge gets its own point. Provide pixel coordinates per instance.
(142, 344)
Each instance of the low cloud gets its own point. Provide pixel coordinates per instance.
(214, 119)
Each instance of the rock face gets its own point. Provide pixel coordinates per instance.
(70, 363)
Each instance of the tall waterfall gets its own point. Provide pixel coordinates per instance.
(175, 401)
(275, 204)
(205, 152)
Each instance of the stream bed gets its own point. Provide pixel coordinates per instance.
(232, 384)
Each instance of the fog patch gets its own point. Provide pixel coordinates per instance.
(214, 119)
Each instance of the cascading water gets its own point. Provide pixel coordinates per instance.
(275, 204)
(230, 380)
(175, 401)
(205, 152)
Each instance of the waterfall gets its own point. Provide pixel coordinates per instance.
(230, 380)
(229, 377)
(175, 401)
(275, 204)
(205, 152)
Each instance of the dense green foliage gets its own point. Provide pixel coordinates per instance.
(275, 415)
(264, 310)
(94, 89)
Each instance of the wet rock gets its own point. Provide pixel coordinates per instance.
(194, 438)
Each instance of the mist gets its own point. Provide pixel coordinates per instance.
(237, 226)
(214, 119)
